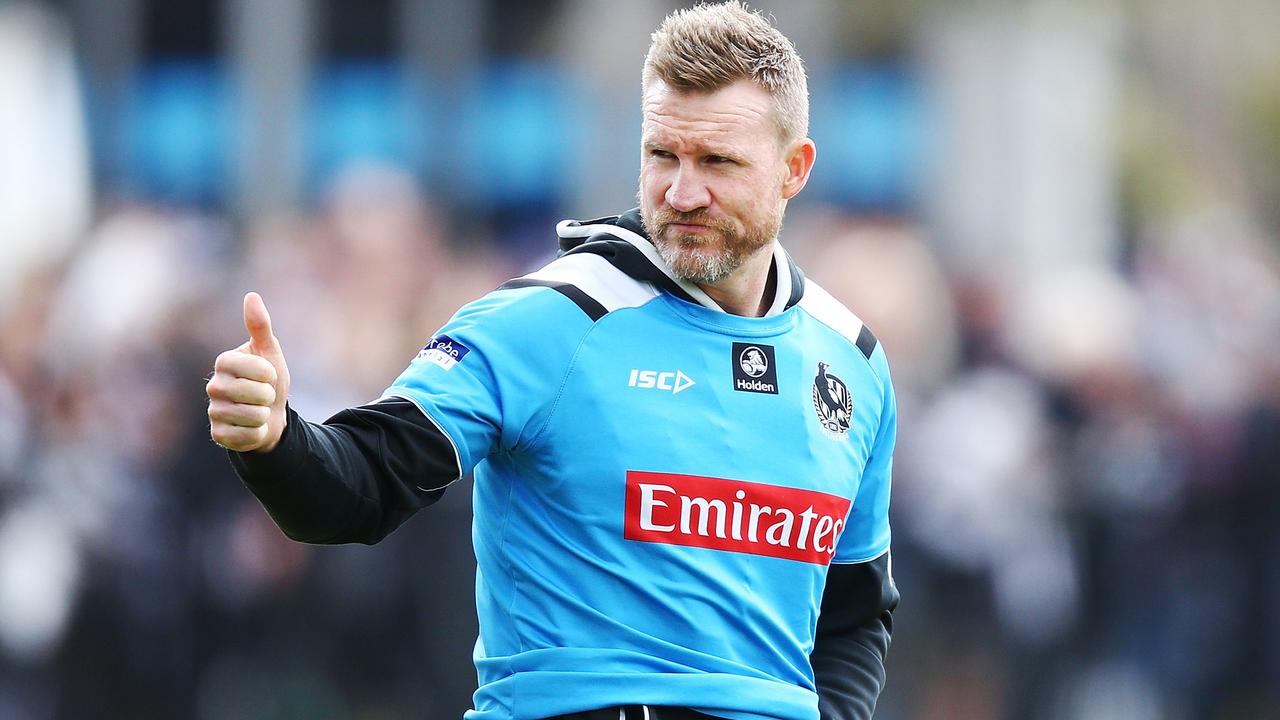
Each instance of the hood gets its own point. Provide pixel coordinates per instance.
(622, 240)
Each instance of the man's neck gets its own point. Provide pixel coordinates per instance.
(749, 290)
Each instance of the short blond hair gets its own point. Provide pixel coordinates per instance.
(708, 47)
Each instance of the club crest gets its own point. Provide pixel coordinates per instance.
(833, 403)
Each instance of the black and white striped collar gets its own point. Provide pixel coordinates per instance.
(623, 241)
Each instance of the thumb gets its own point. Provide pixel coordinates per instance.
(258, 322)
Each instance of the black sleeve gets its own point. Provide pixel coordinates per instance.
(854, 626)
(355, 478)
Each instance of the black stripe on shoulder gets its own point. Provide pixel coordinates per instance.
(866, 342)
(797, 282)
(585, 302)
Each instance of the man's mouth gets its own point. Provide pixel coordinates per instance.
(691, 228)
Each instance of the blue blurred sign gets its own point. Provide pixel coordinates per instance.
(869, 124)
(178, 130)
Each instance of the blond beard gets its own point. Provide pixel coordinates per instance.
(695, 258)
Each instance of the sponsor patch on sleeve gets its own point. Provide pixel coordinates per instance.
(442, 350)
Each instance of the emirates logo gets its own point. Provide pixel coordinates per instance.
(734, 516)
(833, 403)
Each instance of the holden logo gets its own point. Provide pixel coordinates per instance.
(754, 369)
(753, 362)
(833, 403)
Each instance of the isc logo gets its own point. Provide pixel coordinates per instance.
(675, 382)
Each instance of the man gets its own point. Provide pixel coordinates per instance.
(681, 447)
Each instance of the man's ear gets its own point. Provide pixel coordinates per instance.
(799, 158)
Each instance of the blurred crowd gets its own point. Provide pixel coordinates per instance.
(138, 579)
(1086, 508)
(1086, 512)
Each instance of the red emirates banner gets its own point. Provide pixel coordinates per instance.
(733, 515)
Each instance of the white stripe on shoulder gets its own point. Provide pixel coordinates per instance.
(598, 278)
(565, 228)
(830, 312)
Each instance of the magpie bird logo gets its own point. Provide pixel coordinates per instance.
(832, 402)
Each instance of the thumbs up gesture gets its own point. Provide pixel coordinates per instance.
(249, 386)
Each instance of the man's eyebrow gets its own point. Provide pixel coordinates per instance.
(725, 151)
(698, 148)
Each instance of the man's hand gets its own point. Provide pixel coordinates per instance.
(249, 387)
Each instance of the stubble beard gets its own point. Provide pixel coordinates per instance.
(707, 259)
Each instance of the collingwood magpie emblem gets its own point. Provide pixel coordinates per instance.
(833, 403)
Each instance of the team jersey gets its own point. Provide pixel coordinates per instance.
(659, 486)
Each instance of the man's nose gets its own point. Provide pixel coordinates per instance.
(687, 192)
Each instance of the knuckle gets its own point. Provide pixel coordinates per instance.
(236, 438)
(253, 369)
(229, 390)
(256, 394)
(269, 373)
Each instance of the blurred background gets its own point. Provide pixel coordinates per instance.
(1060, 217)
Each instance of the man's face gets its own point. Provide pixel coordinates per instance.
(712, 172)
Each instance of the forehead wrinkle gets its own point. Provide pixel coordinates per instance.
(745, 113)
(742, 109)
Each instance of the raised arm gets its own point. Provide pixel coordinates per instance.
(353, 479)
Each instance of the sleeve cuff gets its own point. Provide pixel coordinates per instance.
(261, 469)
